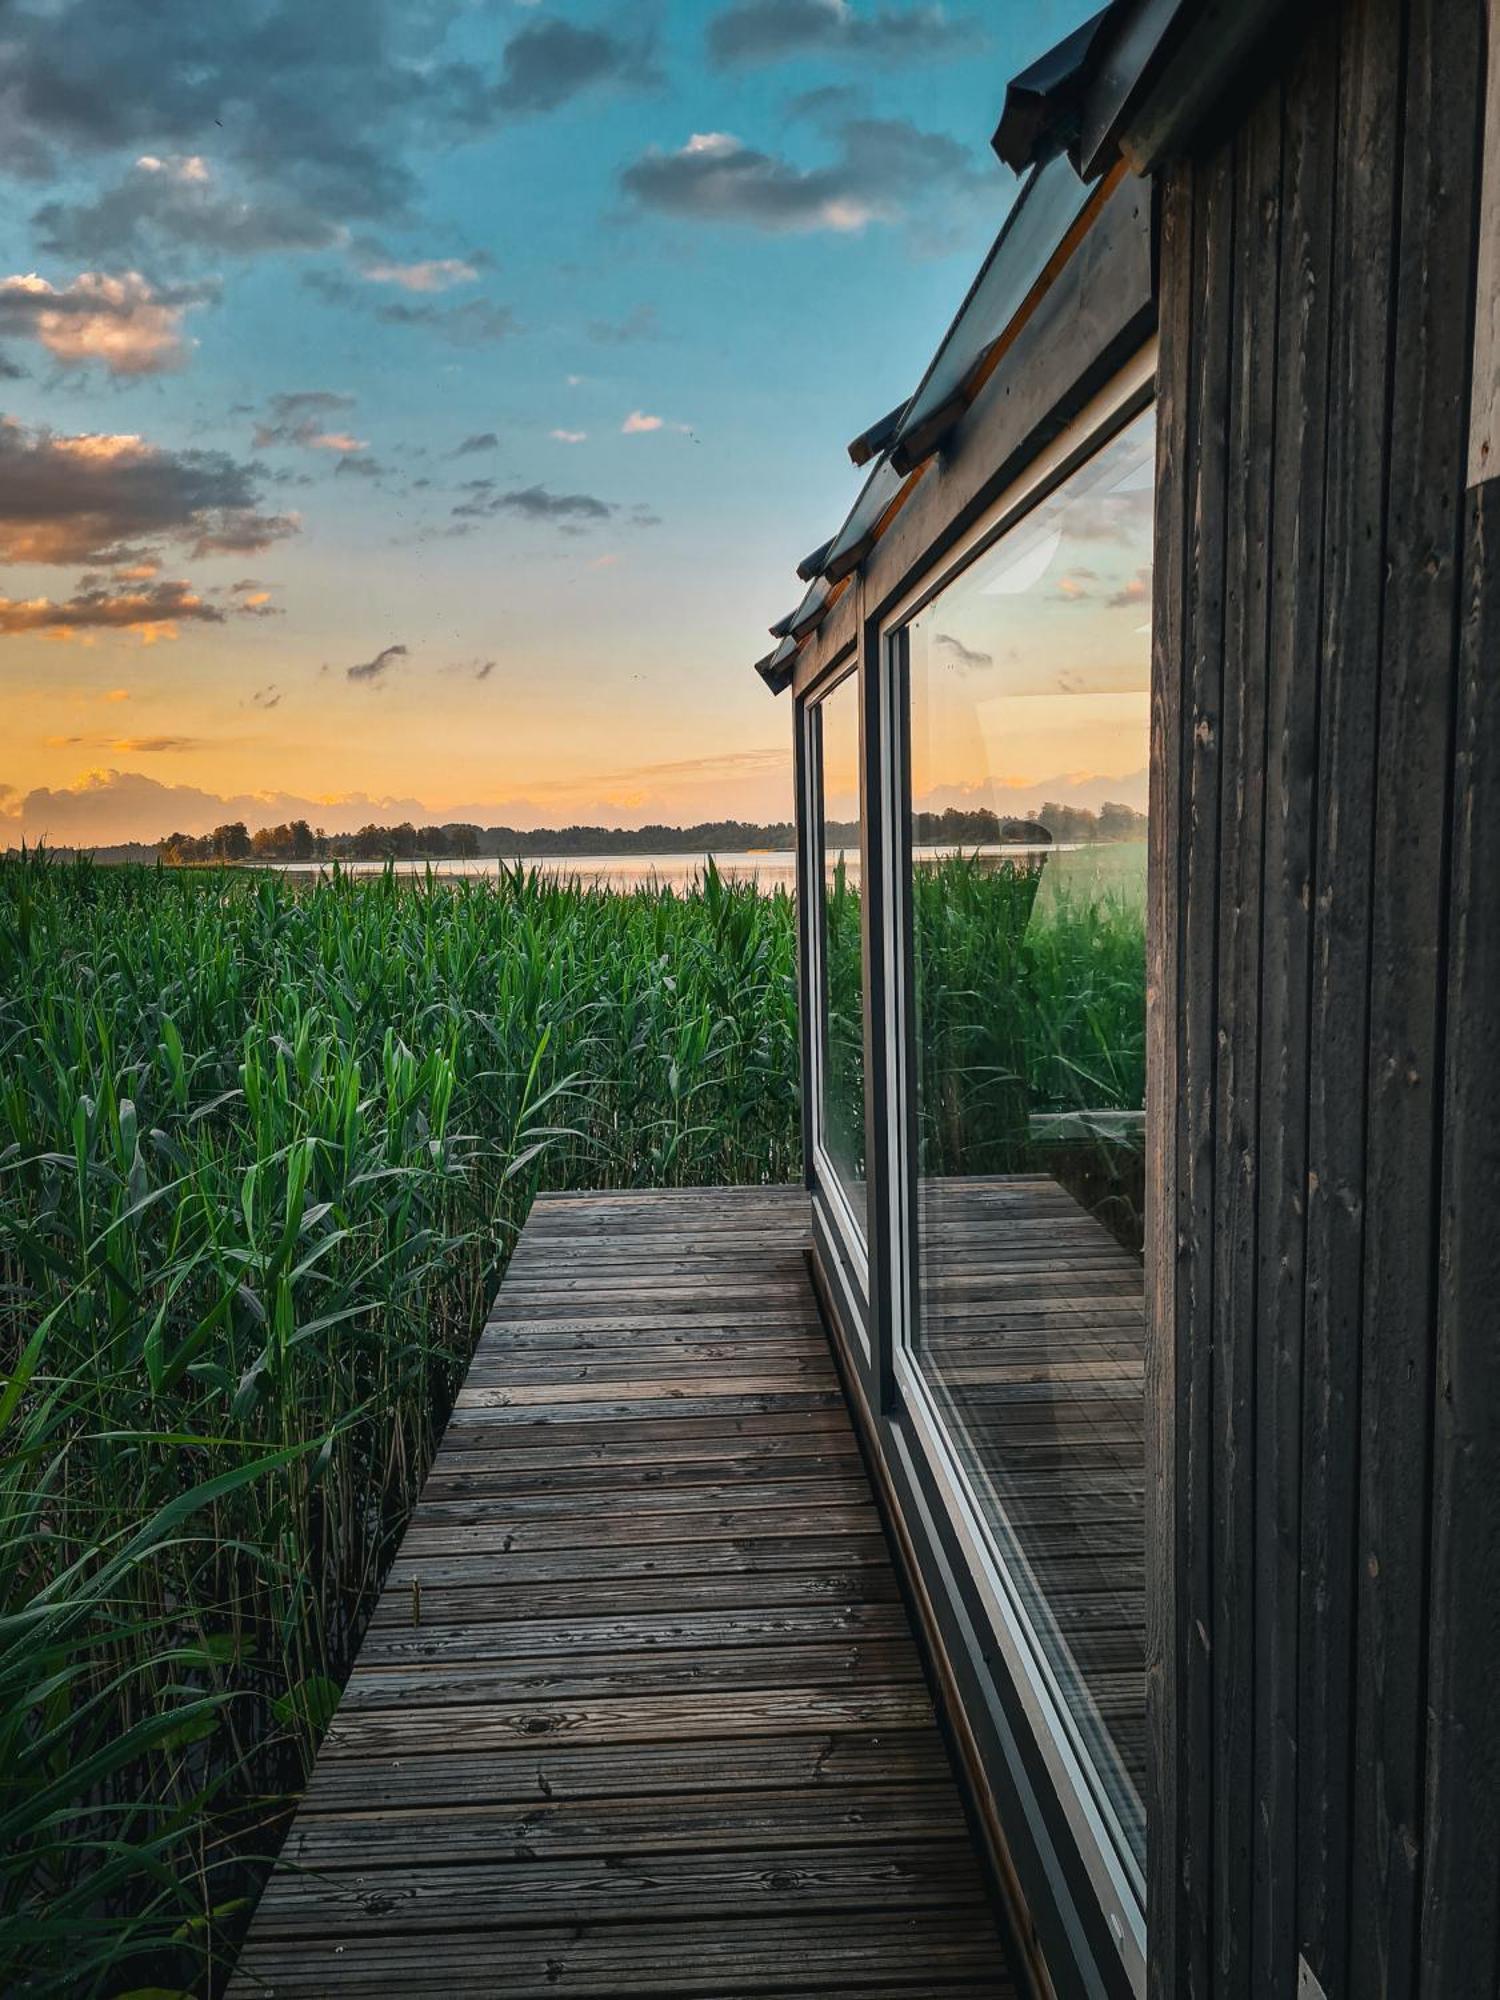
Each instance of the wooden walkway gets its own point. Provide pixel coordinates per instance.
(640, 1710)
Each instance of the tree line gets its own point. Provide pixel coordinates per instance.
(296, 840)
(956, 827)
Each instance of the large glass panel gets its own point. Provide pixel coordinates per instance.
(1028, 716)
(841, 1113)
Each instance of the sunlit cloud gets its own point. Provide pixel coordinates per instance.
(638, 422)
(432, 274)
(123, 323)
(569, 437)
(152, 612)
(884, 170)
(300, 417)
(113, 499)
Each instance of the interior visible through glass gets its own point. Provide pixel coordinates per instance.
(1028, 691)
(842, 1110)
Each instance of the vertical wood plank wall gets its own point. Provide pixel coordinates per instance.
(1324, 1682)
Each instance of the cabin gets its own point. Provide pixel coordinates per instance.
(1057, 1550)
(1169, 1325)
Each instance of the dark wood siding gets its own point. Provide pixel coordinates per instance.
(1325, 998)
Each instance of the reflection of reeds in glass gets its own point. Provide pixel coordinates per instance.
(1030, 1025)
(844, 1035)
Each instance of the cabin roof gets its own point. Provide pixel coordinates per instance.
(1119, 92)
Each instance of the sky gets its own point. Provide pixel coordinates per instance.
(417, 408)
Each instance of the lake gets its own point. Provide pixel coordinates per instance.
(1091, 866)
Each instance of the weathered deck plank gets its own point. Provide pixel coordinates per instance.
(639, 1710)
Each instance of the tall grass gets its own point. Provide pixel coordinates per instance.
(262, 1150)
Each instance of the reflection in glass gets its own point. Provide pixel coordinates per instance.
(842, 1110)
(1028, 690)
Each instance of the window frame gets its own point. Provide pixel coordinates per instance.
(853, 1233)
(1117, 1878)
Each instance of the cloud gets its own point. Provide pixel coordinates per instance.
(374, 670)
(966, 658)
(483, 670)
(269, 696)
(246, 534)
(98, 498)
(152, 745)
(301, 418)
(319, 108)
(435, 274)
(638, 422)
(640, 323)
(535, 503)
(479, 441)
(549, 62)
(474, 324)
(123, 323)
(153, 611)
(886, 169)
(569, 437)
(298, 403)
(825, 103)
(253, 600)
(109, 804)
(177, 202)
(767, 31)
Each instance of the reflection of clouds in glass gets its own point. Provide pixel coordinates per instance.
(1023, 565)
(1024, 673)
(1137, 590)
(1122, 515)
(1139, 475)
(961, 657)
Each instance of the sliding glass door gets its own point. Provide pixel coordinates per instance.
(1019, 690)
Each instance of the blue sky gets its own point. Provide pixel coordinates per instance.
(419, 409)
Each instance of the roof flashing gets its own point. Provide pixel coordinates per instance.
(1044, 103)
(872, 442)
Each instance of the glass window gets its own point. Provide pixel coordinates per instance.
(841, 1110)
(1028, 687)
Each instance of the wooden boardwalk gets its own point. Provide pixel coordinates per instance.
(640, 1710)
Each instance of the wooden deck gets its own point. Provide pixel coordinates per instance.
(640, 1710)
